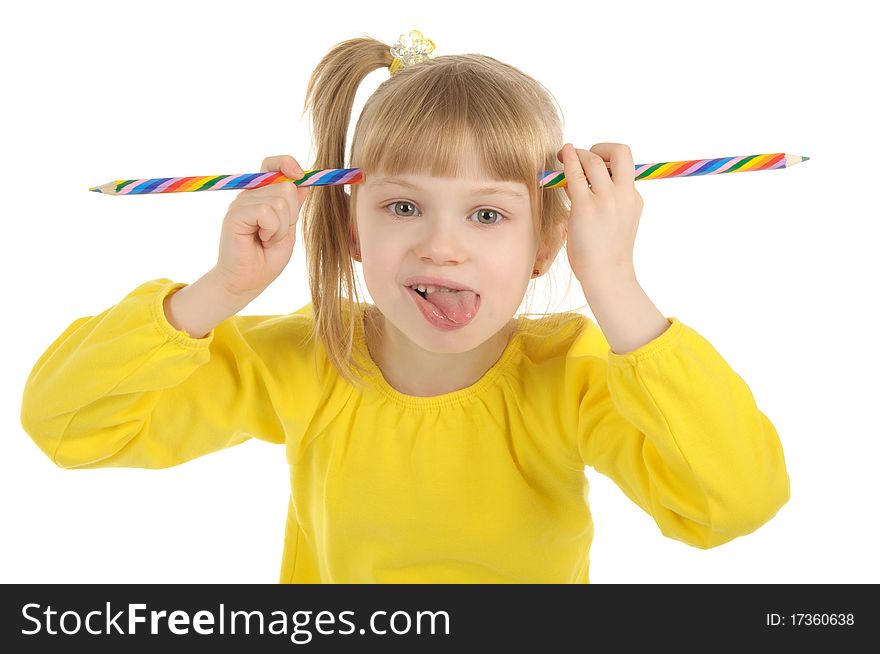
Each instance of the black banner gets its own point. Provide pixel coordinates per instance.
(275, 618)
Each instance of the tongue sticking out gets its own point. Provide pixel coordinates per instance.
(458, 306)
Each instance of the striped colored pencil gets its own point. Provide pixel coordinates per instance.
(339, 176)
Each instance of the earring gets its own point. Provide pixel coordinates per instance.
(536, 272)
(357, 254)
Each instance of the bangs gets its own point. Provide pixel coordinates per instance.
(442, 112)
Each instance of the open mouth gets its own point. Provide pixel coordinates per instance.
(446, 307)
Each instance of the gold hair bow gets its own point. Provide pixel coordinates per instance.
(410, 50)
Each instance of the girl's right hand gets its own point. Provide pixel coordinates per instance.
(259, 231)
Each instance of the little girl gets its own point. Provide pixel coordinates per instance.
(435, 436)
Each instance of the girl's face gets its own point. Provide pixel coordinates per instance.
(450, 228)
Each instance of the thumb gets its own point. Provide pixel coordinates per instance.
(575, 177)
(293, 170)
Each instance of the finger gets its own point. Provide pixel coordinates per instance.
(575, 178)
(293, 197)
(296, 197)
(597, 172)
(273, 163)
(623, 169)
(282, 209)
(269, 163)
(289, 167)
(265, 194)
(262, 216)
(267, 217)
(284, 164)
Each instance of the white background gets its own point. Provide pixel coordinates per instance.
(776, 269)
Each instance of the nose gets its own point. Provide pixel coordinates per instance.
(442, 240)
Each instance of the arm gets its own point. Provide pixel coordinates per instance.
(126, 388)
(672, 424)
(625, 313)
(196, 309)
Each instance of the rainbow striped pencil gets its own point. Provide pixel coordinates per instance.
(339, 176)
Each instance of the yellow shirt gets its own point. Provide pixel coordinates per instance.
(482, 485)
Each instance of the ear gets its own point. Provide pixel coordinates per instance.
(548, 251)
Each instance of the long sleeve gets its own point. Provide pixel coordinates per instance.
(679, 432)
(126, 389)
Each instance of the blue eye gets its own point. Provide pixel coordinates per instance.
(500, 215)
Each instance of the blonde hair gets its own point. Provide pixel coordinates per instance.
(419, 120)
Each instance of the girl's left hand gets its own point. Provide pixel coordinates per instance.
(604, 213)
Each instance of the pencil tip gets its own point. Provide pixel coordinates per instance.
(805, 158)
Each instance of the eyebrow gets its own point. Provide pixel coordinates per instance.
(482, 190)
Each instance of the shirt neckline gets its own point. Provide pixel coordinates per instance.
(512, 349)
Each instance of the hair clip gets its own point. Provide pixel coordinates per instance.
(410, 50)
